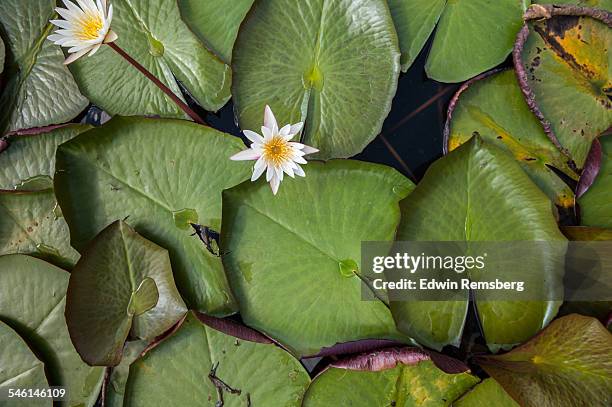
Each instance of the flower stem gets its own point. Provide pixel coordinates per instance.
(196, 118)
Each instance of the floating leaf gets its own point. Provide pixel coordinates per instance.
(32, 223)
(326, 63)
(603, 4)
(472, 36)
(40, 89)
(390, 377)
(493, 107)
(200, 364)
(32, 299)
(20, 368)
(567, 364)
(159, 175)
(288, 263)
(477, 193)
(215, 22)
(117, 380)
(154, 35)
(485, 394)
(596, 202)
(122, 285)
(583, 233)
(29, 161)
(562, 60)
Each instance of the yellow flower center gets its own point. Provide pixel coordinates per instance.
(90, 27)
(276, 151)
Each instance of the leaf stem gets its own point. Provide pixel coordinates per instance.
(196, 118)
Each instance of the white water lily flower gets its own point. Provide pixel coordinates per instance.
(84, 28)
(275, 153)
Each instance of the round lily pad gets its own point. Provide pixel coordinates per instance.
(161, 176)
(331, 64)
(562, 60)
(478, 193)
(40, 89)
(471, 36)
(29, 160)
(485, 394)
(20, 367)
(121, 286)
(215, 22)
(493, 108)
(32, 300)
(32, 223)
(200, 364)
(154, 35)
(295, 268)
(392, 377)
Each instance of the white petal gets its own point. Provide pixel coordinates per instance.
(269, 173)
(279, 172)
(254, 137)
(94, 50)
(270, 120)
(267, 133)
(66, 14)
(299, 171)
(285, 131)
(299, 160)
(288, 168)
(111, 36)
(258, 169)
(274, 184)
(61, 23)
(309, 150)
(57, 38)
(296, 128)
(73, 57)
(245, 155)
(109, 17)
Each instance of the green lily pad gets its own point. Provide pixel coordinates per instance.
(596, 202)
(215, 22)
(121, 286)
(603, 4)
(568, 364)
(29, 161)
(20, 368)
(331, 64)
(40, 89)
(200, 364)
(32, 223)
(154, 35)
(32, 299)
(493, 108)
(396, 377)
(485, 394)
(117, 380)
(562, 61)
(159, 175)
(472, 36)
(295, 267)
(585, 233)
(477, 193)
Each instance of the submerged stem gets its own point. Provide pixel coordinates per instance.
(196, 118)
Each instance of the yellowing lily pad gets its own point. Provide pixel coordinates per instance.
(121, 286)
(393, 377)
(567, 364)
(155, 36)
(471, 36)
(32, 300)
(562, 60)
(40, 89)
(332, 64)
(296, 267)
(493, 108)
(160, 176)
